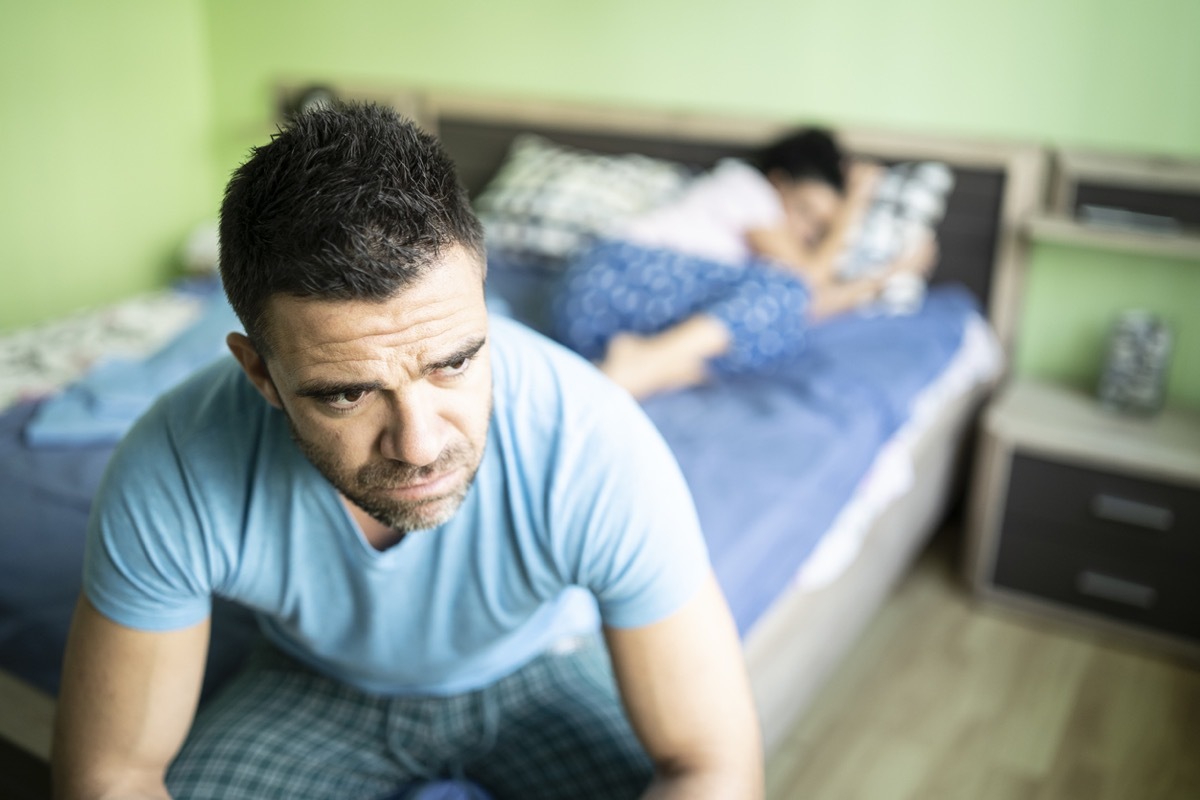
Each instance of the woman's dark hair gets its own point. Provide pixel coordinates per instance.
(808, 154)
(349, 202)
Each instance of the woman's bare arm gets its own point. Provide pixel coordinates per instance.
(836, 298)
(817, 265)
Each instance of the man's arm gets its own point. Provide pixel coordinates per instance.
(125, 707)
(684, 685)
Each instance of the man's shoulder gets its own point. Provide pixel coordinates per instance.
(214, 411)
(167, 526)
(556, 410)
(217, 397)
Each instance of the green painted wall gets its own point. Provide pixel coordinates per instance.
(1073, 296)
(1094, 72)
(104, 149)
(133, 113)
(1082, 73)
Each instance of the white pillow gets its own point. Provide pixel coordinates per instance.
(546, 201)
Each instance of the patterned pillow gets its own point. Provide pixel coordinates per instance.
(909, 199)
(547, 200)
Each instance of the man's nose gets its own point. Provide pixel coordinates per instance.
(416, 433)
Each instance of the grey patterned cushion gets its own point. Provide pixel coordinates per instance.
(910, 197)
(547, 200)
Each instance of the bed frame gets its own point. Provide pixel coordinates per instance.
(793, 649)
(999, 184)
(797, 644)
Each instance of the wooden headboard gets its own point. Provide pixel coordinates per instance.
(998, 184)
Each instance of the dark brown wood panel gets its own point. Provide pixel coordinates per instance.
(1067, 503)
(1182, 207)
(1156, 593)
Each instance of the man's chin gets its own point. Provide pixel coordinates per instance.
(423, 516)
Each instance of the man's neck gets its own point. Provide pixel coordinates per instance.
(378, 535)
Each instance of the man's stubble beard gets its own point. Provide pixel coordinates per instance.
(367, 486)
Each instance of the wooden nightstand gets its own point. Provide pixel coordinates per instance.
(1089, 517)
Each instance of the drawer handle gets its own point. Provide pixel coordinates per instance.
(1131, 512)
(1106, 587)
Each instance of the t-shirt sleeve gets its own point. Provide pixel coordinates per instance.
(633, 536)
(144, 564)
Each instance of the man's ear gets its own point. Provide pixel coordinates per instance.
(254, 366)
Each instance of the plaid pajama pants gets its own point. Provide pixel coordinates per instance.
(619, 287)
(553, 729)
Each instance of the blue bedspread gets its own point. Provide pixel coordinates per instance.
(770, 461)
(45, 497)
(103, 405)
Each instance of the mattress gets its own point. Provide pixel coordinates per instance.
(977, 362)
(774, 463)
(797, 464)
(45, 498)
(786, 471)
(47, 482)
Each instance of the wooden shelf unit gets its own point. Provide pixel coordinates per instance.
(1149, 189)
(1059, 229)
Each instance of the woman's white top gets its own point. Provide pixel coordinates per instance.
(710, 219)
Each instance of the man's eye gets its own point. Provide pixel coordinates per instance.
(455, 368)
(343, 401)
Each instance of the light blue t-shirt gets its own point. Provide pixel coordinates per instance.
(208, 495)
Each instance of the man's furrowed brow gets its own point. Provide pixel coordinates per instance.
(323, 388)
(468, 350)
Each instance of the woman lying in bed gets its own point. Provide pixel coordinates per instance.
(729, 277)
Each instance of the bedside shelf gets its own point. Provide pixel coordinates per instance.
(1064, 230)
(1068, 423)
(1088, 518)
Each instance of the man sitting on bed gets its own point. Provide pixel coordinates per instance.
(424, 507)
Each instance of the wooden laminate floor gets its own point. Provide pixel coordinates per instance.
(943, 699)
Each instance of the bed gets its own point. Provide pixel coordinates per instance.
(807, 559)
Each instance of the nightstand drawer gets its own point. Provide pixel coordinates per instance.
(1091, 510)
(1163, 595)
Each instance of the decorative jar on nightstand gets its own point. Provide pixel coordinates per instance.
(1087, 517)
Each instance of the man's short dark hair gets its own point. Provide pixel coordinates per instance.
(351, 202)
(808, 154)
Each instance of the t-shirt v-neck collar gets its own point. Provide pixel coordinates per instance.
(347, 529)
